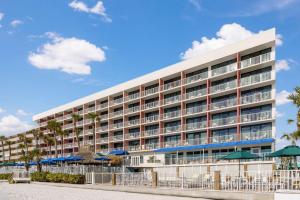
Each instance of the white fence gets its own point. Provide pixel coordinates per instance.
(134, 179)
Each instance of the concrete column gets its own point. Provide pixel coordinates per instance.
(93, 178)
(114, 179)
(154, 179)
(217, 180)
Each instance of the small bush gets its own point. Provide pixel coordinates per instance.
(57, 178)
(5, 176)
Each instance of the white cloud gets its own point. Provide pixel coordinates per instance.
(281, 97)
(228, 34)
(196, 4)
(11, 124)
(279, 114)
(98, 9)
(279, 40)
(282, 65)
(1, 16)
(21, 112)
(16, 23)
(70, 55)
(2, 110)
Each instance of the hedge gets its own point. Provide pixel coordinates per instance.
(5, 176)
(57, 178)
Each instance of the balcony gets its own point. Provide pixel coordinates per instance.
(223, 138)
(171, 100)
(195, 78)
(224, 104)
(195, 94)
(224, 121)
(256, 60)
(151, 146)
(102, 140)
(101, 106)
(88, 121)
(150, 119)
(102, 128)
(256, 116)
(79, 123)
(256, 97)
(172, 129)
(196, 109)
(88, 132)
(224, 69)
(151, 91)
(117, 125)
(195, 126)
(133, 96)
(256, 135)
(61, 118)
(173, 114)
(150, 105)
(172, 85)
(104, 117)
(117, 113)
(116, 101)
(117, 138)
(88, 110)
(224, 86)
(133, 122)
(195, 141)
(134, 135)
(132, 109)
(68, 116)
(174, 143)
(68, 126)
(151, 132)
(80, 112)
(134, 148)
(89, 142)
(253, 79)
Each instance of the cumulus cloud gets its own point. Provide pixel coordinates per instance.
(16, 23)
(70, 55)
(1, 16)
(228, 34)
(281, 97)
(98, 9)
(11, 124)
(279, 40)
(282, 65)
(21, 112)
(2, 110)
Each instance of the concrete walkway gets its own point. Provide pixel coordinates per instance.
(194, 193)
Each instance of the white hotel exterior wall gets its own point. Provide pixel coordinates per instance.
(255, 43)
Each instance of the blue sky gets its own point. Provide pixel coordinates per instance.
(114, 41)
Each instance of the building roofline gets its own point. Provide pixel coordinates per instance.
(265, 37)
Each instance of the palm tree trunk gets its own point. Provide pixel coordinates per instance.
(94, 137)
(9, 149)
(3, 154)
(62, 145)
(55, 143)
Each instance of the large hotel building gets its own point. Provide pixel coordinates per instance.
(191, 112)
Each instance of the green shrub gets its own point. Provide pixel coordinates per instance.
(57, 178)
(5, 176)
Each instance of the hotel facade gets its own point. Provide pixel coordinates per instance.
(191, 112)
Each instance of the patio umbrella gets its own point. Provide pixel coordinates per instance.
(240, 155)
(118, 152)
(288, 151)
(73, 158)
(103, 158)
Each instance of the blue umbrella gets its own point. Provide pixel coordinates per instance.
(32, 163)
(60, 159)
(73, 158)
(102, 158)
(118, 152)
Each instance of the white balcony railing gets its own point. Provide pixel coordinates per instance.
(151, 132)
(196, 109)
(224, 69)
(195, 141)
(173, 143)
(117, 137)
(257, 78)
(172, 129)
(256, 60)
(223, 86)
(132, 109)
(133, 135)
(256, 116)
(195, 125)
(151, 146)
(133, 96)
(88, 110)
(133, 122)
(223, 104)
(134, 148)
(173, 114)
(150, 105)
(151, 91)
(256, 97)
(102, 140)
(170, 100)
(195, 94)
(256, 135)
(117, 125)
(117, 113)
(196, 78)
(171, 85)
(150, 119)
(223, 121)
(223, 138)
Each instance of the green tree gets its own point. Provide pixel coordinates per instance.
(62, 135)
(76, 118)
(9, 143)
(37, 135)
(292, 137)
(54, 126)
(95, 118)
(2, 139)
(50, 142)
(24, 144)
(295, 98)
(37, 155)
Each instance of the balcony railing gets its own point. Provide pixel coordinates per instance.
(151, 91)
(195, 126)
(256, 60)
(132, 135)
(249, 80)
(103, 117)
(132, 109)
(117, 137)
(150, 119)
(196, 109)
(224, 121)
(256, 135)
(88, 110)
(117, 125)
(88, 121)
(172, 143)
(102, 106)
(102, 128)
(134, 148)
(171, 85)
(68, 116)
(102, 140)
(88, 142)
(256, 97)
(117, 113)
(153, 104)
(170, 100)
(116, 101)
(224, 69)
(196, 78)
(60, 118)
(256, 116)
(173, 114)
(195, 94)
(68, 126)
(80, 123)
(223, 86)
(223, 138)
(172, 129)
(151, 146)
(224, 104)
(133, 96)
(133, 122)
(195, 141)
(151, 132)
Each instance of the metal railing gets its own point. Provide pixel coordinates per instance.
(223, 104)
(257, 78)
(256, 97)
(196, 93)
(256, 60)
(256, 116)
(195, 78)
(171, 85)
(224, 69)
(223, 86)
(223, 121)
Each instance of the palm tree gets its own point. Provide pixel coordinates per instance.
(2, 139)
(37, 154)
(37, 135)
(9, 143)
(95, 118)
(53, 126)
(49, 141)
(26, 141)
(293, 137)
(75, 118)
(62, 134)
(295, 98)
